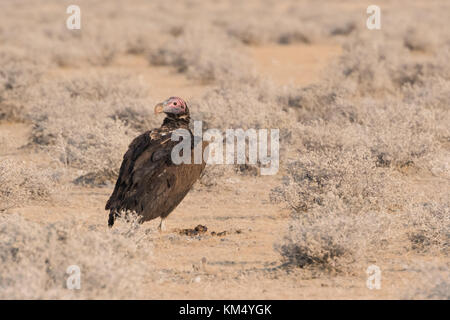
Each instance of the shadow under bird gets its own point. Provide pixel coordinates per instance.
(149, 183)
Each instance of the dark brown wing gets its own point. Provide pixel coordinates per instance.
(148, 182)
(135, 149)
(146, 156)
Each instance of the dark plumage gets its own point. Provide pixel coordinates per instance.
(149, 183)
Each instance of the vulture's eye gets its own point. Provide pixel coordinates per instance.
(174, 103)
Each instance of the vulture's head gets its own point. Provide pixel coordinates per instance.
(173, 106)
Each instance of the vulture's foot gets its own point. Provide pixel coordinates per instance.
(162, 225)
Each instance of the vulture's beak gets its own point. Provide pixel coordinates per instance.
(159, 108)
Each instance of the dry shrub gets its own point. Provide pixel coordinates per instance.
(94, 147)
(109, 31)
(316, 102)
(291, 23)
(87, 122)
(364, 68)
(204, 55)
(347, 188)
(346, 180)
(420, 39)
(340, 203)
(345, 210)
(10, 112)
(18, 71)
(397, 133)
(372, 66)
(333, 240)
(251, 31)
(83, 142)
(349, 183)
(344, 29)
(23, 182)
(427, 226)
(34, 258)
(403, 133)
(242, 105)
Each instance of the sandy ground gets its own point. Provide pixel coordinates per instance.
(242, 263)
(294, 64)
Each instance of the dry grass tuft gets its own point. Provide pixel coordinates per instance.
(34, 258)
(24, 182)
(333, 240)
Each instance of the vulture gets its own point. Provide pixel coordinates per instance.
(149, 183)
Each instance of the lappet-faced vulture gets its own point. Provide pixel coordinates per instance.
(149, 183)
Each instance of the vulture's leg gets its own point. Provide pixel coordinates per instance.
(162, 225)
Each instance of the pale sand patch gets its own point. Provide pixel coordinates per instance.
(298, 64)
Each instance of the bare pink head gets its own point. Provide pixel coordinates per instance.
(173, 105)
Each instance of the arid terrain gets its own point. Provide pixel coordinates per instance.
(364, 174)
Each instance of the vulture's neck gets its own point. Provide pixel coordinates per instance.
(173, 122)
